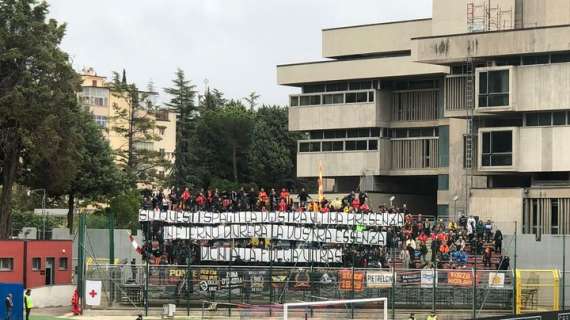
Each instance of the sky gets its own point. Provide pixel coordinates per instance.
(234, 44)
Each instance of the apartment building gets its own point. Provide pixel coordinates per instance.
(465, 112)
(97, 95)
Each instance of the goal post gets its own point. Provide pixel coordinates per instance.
(290, 305)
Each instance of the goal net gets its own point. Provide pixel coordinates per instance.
(370, 308)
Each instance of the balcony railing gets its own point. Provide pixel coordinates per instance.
(345, 97)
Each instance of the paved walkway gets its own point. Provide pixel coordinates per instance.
(154, 313)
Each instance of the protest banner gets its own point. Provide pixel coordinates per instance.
(379, 279)
(278, 232)
(371, 219)
(346, 280)
(277, 255)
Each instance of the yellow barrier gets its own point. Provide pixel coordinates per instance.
(537, 290)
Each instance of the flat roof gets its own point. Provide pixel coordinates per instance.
(376, 24)
(390, 54)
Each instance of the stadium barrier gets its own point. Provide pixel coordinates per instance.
(266, 288)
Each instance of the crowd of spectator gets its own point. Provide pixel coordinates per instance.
(421, 242)
(252, 200)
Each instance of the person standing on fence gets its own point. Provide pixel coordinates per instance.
(134, 270)
(8, 306)
(28, 303)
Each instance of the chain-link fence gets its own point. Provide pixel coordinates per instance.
(250, 287)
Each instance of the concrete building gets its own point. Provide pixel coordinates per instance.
(36, 263)
(465, 112)
(97, 95)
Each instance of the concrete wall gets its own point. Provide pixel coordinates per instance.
(97, 245)
(541, 87)
(375, 38)
(419, 204)
(502, 206)
(456, 171)
(457, 48)
(339, 163)
(52, 296)
(354, 69)
(544, 149)
(449, 16)
(354, 115)
(545, 13)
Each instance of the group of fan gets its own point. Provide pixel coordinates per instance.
(252, 200)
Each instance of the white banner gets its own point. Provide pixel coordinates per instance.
(331, 218)
(275, 255)
(279, 232)
(496, 280)
(427, 278)
(92, 293)
(379, 279)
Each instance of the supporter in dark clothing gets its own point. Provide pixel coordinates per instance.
(363, 197)
(242, 199)
(273, 199)
(251, 199)
(303, 198)
(498, 241)
(173, 199)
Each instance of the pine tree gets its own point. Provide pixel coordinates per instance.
(135, 122)
(271, 155)
(183, 95)
(251, 100)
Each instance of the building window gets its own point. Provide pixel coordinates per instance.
(63, 263)
(545, 119)
(310, 100)
(162, 152)
(310, 147)
(161, 130)
(497, 149)
(6, 264)
(94, 96)
(162, 115)
(36, 264)
(337, 98)
(494, 88)
(145, 146)
(554, 216)
(101, 121)
(294, 101)
(372, 144)
(94, 83)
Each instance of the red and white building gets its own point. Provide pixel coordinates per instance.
(36, 263)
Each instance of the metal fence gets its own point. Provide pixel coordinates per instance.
(268, 287)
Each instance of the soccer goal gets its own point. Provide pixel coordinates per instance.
(369, 308)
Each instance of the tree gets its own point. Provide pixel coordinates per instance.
(183, 94)
(98, 177)
(272, 153)
(211, 100)
(125, 207)
(222, 140)
(134, 120)
(252, 100)
(37, 96)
